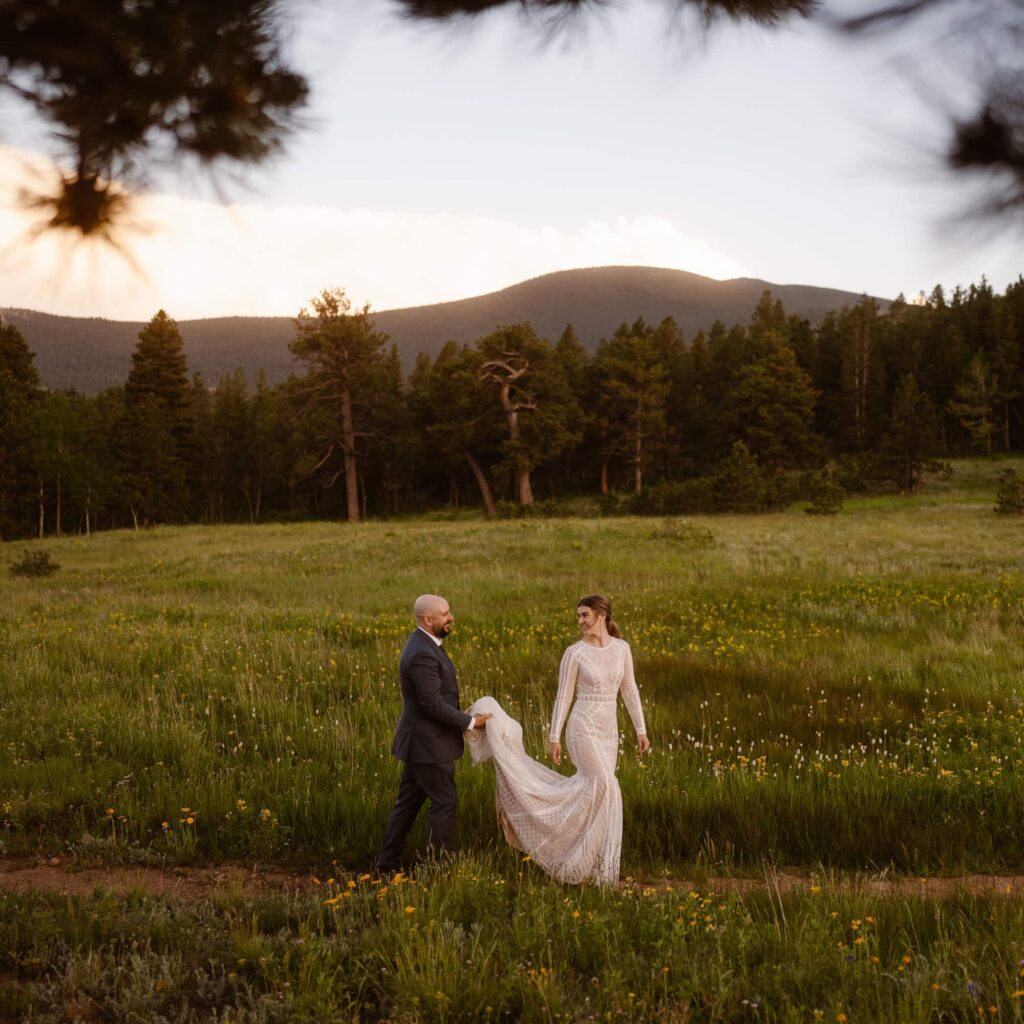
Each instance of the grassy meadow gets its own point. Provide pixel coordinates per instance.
(841, 695)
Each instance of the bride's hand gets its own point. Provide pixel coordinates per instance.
(555, 752)
(643, 744)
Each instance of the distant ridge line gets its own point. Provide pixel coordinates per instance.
(92, 353)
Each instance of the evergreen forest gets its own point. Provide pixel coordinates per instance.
(747, 417)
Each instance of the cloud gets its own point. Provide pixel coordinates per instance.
(196, 258)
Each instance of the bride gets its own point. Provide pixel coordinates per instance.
(571, 827)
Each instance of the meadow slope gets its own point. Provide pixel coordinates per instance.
(835, 695)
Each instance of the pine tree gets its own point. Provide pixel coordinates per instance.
(156, 440)
(342, 350)
(1009, 494)
(231, 439)
(20, 395)
(826, 493)
(975, 402)
(739, 484)
(456, 419)
(58, 447)
(541, 416)
(634, 385)
(771, 403)
(768, 319)
(862, 380)
(265, 467)
(101, 487)
(911, 438)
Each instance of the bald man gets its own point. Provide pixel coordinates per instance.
(428, 737)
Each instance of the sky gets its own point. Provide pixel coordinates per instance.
(438, 164)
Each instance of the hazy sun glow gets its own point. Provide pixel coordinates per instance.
(197, 259)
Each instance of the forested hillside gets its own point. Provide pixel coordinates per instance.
(92, 354)
(740, 417)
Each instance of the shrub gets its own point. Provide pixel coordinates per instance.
(675, 497)
(1010, 494)
(739, 484)
(612, 504)
(826, 493)
(506, 509)
(34, 563)
(551, 508)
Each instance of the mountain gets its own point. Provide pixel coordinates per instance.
(91, 353)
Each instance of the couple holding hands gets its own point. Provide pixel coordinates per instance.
(570, 826)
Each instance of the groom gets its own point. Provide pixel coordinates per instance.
(428, 737)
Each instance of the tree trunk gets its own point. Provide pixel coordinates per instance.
(135, 517)
(42, 507)
(59, 509)
(604, 477)
(481, 482)
(88, 507)
(349, 443)
(523, 487)
(638, 465)
(247, 491)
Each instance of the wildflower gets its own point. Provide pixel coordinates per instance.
(110, 812)
(840, 1017)
(165, 825)
(190, 820)
(410, 910)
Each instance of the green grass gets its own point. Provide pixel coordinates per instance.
(828, 693)
(485, 940)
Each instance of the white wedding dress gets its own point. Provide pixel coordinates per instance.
(571, 827)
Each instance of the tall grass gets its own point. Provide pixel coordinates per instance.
(823, 694)
(843, 692)
(489, 938)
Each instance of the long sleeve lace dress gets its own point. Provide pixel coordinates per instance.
(572, 827)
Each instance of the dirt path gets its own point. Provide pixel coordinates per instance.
(64, 876)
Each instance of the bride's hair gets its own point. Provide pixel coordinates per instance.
(602, 606)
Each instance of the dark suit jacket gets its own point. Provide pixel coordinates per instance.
(430, 728)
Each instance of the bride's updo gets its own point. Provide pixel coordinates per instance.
(602, 606)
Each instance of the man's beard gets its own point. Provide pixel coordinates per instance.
(441, 631)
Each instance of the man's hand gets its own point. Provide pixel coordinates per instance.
(481, 721)
(555, 751)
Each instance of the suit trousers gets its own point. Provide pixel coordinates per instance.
(420, 782)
